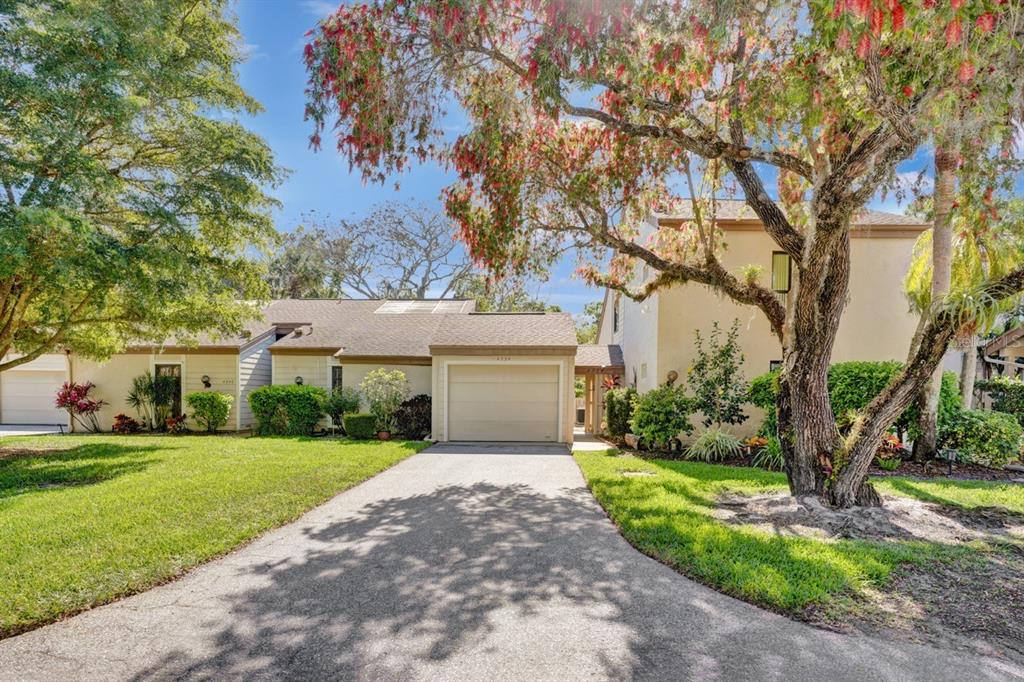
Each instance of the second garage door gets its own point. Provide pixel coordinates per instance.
(503, 402)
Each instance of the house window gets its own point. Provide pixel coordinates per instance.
(335, 377)
(643, 370)
(782, 274)
(615, 312)
(774, 365)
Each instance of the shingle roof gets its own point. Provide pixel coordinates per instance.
(534, 330)
(594, 356)
(740, 211)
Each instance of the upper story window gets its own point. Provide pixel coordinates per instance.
(782, 274)
(616, 320)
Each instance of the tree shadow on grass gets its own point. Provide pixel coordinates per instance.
(30, 472)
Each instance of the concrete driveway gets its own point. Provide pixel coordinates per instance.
(464, 562)
(29, 430)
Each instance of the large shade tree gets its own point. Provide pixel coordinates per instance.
(582, 114)
(130, 197)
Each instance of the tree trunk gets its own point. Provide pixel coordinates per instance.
(926, 443)
(968, 373)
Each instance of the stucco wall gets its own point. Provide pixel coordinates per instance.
(113, 379)
(566, 364)
(876, 325)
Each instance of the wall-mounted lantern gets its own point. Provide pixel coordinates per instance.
(298, 380)
(206, 380)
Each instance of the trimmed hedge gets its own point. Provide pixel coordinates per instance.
(414, 417)
(1007, 395)
(287, 409)
(851, 386)
(360, 425)
(618, 410)
(210, 409)
(991, 439)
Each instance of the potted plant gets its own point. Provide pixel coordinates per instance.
(385, 391)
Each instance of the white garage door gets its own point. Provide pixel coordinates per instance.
(27, 392)
(503, 402)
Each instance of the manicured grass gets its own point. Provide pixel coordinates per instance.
(94, 518)
(667, 516)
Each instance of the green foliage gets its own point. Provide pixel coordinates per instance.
(287, 409)
(851, 386)
(888, 463)
(131, 195)
(152, 397)
(360, 425)
(662, 415)
(618, 410)
(509, 294)
(1007, 395)
(716, 377)
(210, 408)
(991, 439)
(86, 507)
(385, 390)
(414, 417)
(340, 402)
(586, 322)
(770, 456)
(714, 445)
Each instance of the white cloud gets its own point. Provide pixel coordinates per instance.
(320, 8)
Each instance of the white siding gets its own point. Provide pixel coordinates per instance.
(254, 370)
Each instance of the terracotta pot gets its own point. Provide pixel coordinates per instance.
(384, 435)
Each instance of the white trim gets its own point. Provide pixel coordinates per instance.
(530, 362)
(238, 392)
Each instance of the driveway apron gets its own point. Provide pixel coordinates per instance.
(464, 562)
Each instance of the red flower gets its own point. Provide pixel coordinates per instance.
(966, 72)
(908, 91)
(986, 22)
(954, 32)
(864, 46)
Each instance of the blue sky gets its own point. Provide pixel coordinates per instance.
(273, 31)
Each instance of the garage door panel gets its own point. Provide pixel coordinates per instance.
(26, 397)
(503, 403)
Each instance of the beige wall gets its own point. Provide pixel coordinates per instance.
(876, 325)
(565, 364)
(113, 379)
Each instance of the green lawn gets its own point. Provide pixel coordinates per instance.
(667, 516)
(99, 517)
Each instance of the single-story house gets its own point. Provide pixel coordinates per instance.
(656, 335)
(492, 376)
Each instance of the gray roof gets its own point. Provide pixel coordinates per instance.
(508, 330)
(596, 356)
(739, 210)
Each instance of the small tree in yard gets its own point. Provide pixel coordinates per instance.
(343, 400)
(210, 409)
(385, 391)
(716, 379)
(74, 398)
(581, 115)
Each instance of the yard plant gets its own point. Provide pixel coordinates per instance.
(88, 519)
(661, 416)
(619, 410)
(210, 408)
(385, 391)
(287, 409)
(716, 377)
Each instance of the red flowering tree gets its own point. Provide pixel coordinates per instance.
(584, 114)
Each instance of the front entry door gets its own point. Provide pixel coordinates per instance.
(173, 371)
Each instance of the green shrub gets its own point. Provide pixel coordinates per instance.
(385, 392)
(618, 410)
(851, 386)
(361, 425)
(340, 402)
(714, 445)
(287, 409)
(210, 409)
(770, 456)
(414, 417)
(991, 439)
(1007, 395)
(661, 415)
(716, 377)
